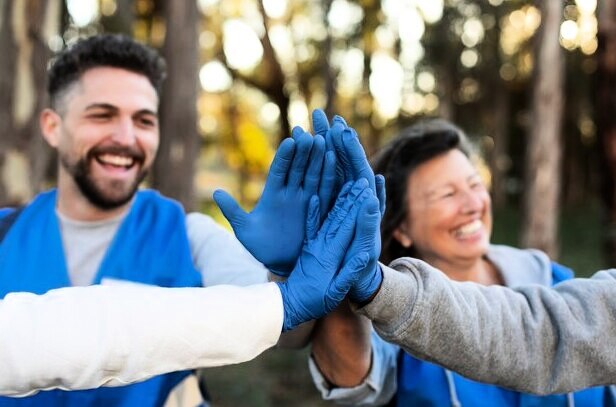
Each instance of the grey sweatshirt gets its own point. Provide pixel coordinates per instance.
(533, 338)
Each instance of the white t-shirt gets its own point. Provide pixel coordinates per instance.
(216, 253)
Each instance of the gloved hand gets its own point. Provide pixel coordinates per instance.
(318, 283)
(367, 239)
(351, 161)
(274, 231)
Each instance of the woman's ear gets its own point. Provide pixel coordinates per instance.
(402, 236)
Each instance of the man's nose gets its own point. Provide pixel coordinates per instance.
(124, 132)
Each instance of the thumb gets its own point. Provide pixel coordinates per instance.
(229, 208)
(348, 276)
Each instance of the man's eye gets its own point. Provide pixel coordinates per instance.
(144, 121)
(100, 116)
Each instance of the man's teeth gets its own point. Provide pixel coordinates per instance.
(468, 229)
(117, 160)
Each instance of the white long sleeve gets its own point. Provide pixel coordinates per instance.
(86, 337)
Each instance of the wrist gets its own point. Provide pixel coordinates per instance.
(369, 288)
(279, 272)
(286, 306)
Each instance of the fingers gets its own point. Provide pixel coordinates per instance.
(348, 218)
(296, 132)
(367, 236)
(359, 167)
(379, 181)
(340, 120)
(281, 164)
(327, 185)
(340, 201)
(312, 218)
(343, 165)
(315, 164)
(297, 171)
(229, 208)
(344, 280)
(320, 124)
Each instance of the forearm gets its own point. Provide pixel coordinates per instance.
(86, 337)
(341, 347)
(533, 339)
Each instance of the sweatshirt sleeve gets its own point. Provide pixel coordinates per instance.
(86, 337)
(533, 339)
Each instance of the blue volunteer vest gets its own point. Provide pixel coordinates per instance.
(425, 384)
(150, 247)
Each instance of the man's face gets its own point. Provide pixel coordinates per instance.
(108, 134)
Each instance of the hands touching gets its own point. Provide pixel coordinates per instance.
(351, 161)
(324, 272)
(305, 166)
(274, 231)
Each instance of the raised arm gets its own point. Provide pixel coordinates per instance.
(533, 339)
(86, 337)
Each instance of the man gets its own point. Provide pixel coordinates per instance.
(85, 337)
(95, 227)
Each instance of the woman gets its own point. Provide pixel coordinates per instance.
(439, 210)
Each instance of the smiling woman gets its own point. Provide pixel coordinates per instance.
(438, 210)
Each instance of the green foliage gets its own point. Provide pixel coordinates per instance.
(580, 236)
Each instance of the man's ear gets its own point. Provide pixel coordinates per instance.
(50, 122)
(402, 236)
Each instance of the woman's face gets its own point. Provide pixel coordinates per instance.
(449, 216)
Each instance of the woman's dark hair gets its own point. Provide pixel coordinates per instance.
(397, 160)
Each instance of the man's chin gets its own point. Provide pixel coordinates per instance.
(109, 197)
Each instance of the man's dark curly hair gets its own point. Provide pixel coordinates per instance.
(109, 50)
(396, 161)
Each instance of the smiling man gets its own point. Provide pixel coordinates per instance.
(96, 227)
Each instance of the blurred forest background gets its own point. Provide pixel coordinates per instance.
(532, 83)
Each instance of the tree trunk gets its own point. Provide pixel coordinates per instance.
(499, 160)
(122, 20)
(174, 168)
(276, 86)
(543, 155)
(329, 76)
(606, 118)
(25, 28)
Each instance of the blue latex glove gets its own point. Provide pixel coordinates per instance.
(333, 142)
(367, 239)
(318, 283)
(274, 231)
(351, 161)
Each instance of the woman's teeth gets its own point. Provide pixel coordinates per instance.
(468, 229)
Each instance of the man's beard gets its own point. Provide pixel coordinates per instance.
(102, 196)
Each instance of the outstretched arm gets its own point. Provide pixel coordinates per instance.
(86, 337)
(533, 339)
